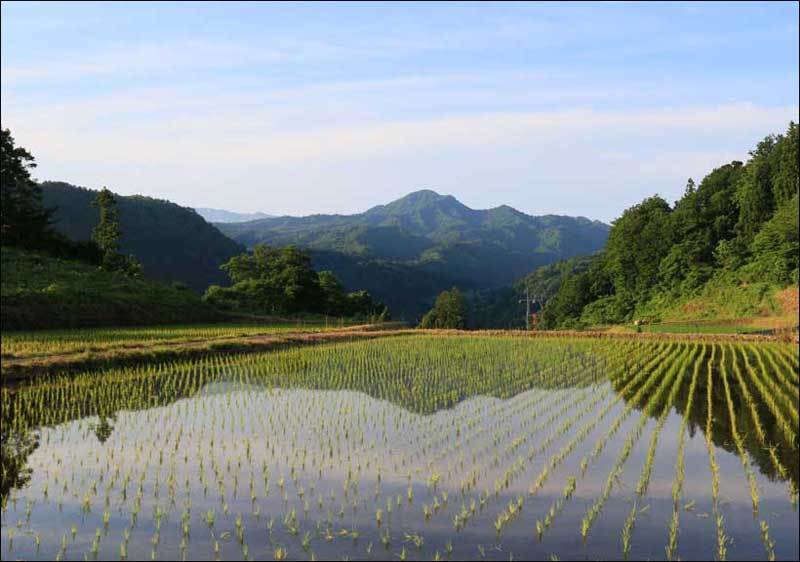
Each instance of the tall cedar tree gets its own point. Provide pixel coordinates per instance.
(107, 232)
(106, 236)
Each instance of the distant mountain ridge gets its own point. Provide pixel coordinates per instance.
(221, 215)
(173, 243)
(426, 241)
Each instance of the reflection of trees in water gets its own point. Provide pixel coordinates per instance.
(423, 391)
(722, 435)
(15, 448)
(104, 428)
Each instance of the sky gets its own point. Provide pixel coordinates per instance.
(574, 109)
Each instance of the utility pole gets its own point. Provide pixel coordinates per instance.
(528, 300)
(527, 308)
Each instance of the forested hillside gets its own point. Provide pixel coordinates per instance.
(173, 243)
(721, 250)
(407, 251)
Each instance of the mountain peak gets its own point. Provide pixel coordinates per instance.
(417, 201)
(425, 192)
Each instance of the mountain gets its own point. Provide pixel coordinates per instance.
(221, 215)
(173, 243)
(406, 251)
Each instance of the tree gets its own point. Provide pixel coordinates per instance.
(785, 180)
(776, 247)
(335, 301)
(23, 219)
(449, 311)
(282, 281)
(106, 235)
(637, 242)
(754, 192)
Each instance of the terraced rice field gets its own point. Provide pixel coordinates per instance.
(413, 447)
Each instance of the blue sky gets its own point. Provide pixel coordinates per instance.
(579, 109)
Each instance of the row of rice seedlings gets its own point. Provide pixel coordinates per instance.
(774, 399)
(658, 360)
(737, 438)
(644, 477)
(677, 485)
(722, 539)
(517, 441)
(514, 445)
(594, 510)
(789, 356)
(767, 397)
(779, 369)
(518, 465)
(559, 457)
(563, 402)
(507, 515)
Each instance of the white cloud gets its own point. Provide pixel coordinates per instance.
(601, 161)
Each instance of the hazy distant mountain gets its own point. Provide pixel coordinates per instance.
(406, 251)
(173, 243)
(221, 215)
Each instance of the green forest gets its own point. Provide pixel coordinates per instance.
(728, 242)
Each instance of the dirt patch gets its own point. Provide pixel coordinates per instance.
(692, 307)
(789, 300)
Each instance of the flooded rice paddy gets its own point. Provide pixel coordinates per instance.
(409, 448)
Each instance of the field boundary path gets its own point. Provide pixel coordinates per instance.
(17, 368)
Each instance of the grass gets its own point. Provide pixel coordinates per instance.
(39, 291)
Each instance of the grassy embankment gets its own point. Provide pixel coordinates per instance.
(40, 291)
(723, 307)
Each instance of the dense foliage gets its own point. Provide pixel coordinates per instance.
(408, 251)
(449, 311)
(739, 227)
(172, 243)
(23, 218)
(282, 281)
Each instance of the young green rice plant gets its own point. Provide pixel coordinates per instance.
(769, 544)
(737, 438)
